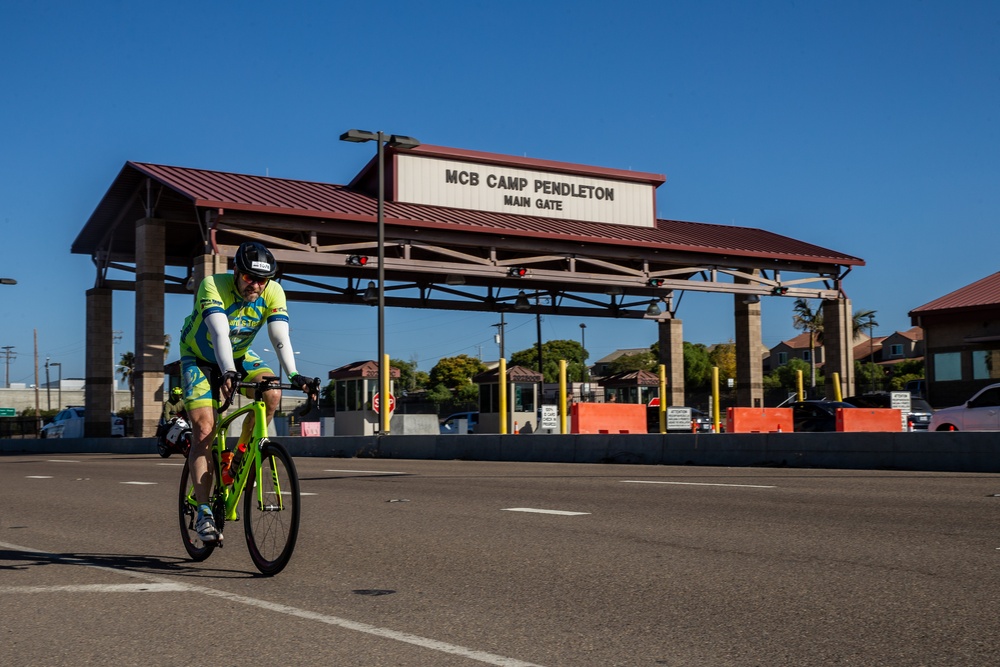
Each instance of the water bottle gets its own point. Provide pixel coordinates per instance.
(234, 467)
(227, 468)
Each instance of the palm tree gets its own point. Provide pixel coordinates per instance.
(810, 321)
(125, 369)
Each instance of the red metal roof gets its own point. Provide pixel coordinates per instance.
(983, 293)
(262, 194)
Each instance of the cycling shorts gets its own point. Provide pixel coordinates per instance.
(200, 378)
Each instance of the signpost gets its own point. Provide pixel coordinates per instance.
(550, 417)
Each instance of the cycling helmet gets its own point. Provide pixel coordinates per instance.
(253, 259)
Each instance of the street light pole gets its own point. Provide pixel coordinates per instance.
(48, 386)
(396, 141)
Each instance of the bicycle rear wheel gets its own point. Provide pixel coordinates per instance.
(187, 509)
(271, 508)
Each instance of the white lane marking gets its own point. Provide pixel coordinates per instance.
(538, 511)
(96, 588)
(38, 477)
(61, 461)
(385, 633)
(747, 486)
(303, 493)
(370, 472)
(141, 483)
(170, 464)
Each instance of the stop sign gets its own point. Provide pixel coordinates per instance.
(376, 402)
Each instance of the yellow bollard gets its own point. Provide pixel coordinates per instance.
(562, 396)
(663, 398)
(502, 379)
(715, 399)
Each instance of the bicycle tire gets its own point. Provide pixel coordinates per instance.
(271, 520)
(187, 513)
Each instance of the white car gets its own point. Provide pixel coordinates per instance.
(68, 423)
(979, 413)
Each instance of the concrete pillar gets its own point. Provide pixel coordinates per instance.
(838, 346)
(150, 260)
(671, 338)
(99, 396)
(749, 364)
(207, 265)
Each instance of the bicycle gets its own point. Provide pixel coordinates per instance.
(267, 475)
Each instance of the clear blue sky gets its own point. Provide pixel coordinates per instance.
(870, 128)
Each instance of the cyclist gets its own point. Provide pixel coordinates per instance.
(230, 308)
(173, 406)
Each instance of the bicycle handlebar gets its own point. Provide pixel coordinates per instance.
(270, 382)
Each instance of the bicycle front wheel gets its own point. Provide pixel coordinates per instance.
(271, 508)
(187, 508)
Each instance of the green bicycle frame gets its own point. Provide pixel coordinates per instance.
(251, 459)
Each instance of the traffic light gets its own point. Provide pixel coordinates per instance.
(656, 282)
(780, 290)
(517, 272)
(357, 260)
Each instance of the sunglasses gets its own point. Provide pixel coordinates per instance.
(250, 279)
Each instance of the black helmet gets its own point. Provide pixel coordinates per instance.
(253, 259)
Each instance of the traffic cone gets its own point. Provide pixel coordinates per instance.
(517, 431)
(779, 428)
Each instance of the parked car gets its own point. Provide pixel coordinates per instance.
(920, 410)
(816, 416)
(979, 413)
(68, 423)
(450, 423)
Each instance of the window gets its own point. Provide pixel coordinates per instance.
(986, 364)
(805, 355)
(896, 350)
(782, 358)
(524, 398)
(987, 399)
(947, 366)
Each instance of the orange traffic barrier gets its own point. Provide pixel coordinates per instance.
(758, 420)
(888, 420)
(608, 418)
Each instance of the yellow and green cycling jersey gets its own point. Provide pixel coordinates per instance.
(218, 294)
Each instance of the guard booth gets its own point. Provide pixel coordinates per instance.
(354, 386)
(522, 400)
(631, 387)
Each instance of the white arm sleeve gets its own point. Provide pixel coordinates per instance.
(278, 332)
(218, 329)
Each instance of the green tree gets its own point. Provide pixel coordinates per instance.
(552, 352)
(453, 372)
(787, 374)
(697, 367)
(407, 374)
(723, 356)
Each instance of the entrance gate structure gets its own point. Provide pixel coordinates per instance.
(464, 230)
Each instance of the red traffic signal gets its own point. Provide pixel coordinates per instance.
(357, 260)
(517, 272)
(655, 282)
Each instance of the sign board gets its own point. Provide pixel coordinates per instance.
(654, 402)
(901, 400)
(502, 189)
(678, 419)
(8, 412)
(376, 401)
(550, 417)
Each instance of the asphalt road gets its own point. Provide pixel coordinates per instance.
(456, 563)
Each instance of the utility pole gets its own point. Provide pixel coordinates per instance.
(9, 354)
(499, 337)
(48, 386)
